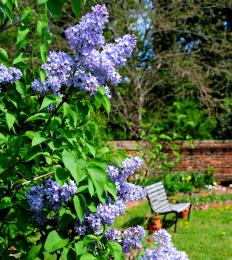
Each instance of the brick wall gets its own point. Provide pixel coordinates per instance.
(197, 155)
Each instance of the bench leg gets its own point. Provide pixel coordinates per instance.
(176, 221)
(165, 215)
(189, 212)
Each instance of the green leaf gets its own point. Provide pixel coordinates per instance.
(80, 249)
(61, 175)
(39, 138)
(21, 37)
(48, 256)
(98, 176)
(88, 256)
(4, 57)
(48, 100)
(21, 58)
(54, 242)
(20, 87)
(80, 206)
(55, 7)
(4, 160)
(34, 252)
(111, 188)
(91, 149)
(40, 2)
(104, 99)
(70, 164)
(42, 24)
(116, 250)
(66, 219)
(76, 7)
(38, 116)
(10, 119)
(106, 103)
(102, 151)
(89, 238)
(43, 48)
(33, 153)
(90, 187)
(5, 203)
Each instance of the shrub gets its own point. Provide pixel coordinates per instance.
(50, 142)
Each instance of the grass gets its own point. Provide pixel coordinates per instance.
(208, 235)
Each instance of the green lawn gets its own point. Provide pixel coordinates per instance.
(208, 235)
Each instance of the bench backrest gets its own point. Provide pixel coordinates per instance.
(158, 198)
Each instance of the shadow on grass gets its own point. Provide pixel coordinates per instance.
(134, 222)
(168, 223)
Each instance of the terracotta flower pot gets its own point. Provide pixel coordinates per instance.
(154, 223)
(184, 213)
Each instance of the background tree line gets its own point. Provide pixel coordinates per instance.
(178, 83)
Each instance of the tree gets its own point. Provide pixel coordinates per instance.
(190, 58)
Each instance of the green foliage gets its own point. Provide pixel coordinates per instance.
(186, 182)
(187, 121)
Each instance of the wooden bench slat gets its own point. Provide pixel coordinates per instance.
(161, 204)
(157, 194)
(153, 189)
(158, 197)
(162, 209)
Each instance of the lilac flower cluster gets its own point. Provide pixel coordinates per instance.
(8, 75)
(87, 35)
(126, 191)
(130, 192)
(129, 165)
(50, 195)
(132, 238)
(94, 64)
(113, 235)
(166, 251)
(129, 239)
(105, 215)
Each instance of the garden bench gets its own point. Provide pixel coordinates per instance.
(159, 203)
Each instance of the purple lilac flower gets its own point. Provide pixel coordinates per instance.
(113, 235)
(85, 81)
(129, 165)
(35, 198)
(39, 86)
(8, 76)
(113, 172)
(51, 195)
(166, 251)
(80, 229)
(15, 73)
(130, 192)
(94, 222)
(108, 92)
(87, 35)
(101, 67)
(109, 212)
(59, 64)
(132, 238)
(64, 193)
(117, 53)
(72, 187)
